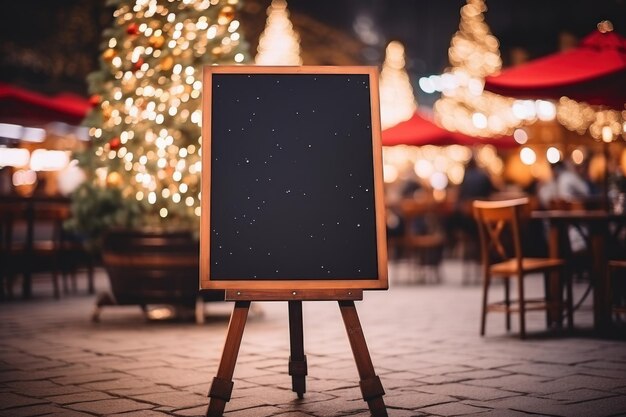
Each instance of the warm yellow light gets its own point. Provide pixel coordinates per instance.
(423, 168)
(527, 156)
(47, 160)
(279, 44)
(14, 157)
(578, 156)
(520, 136)
(607, 134)
(439, 181)
(479, 120)
(546, 110)
(24, 177)
(456, 172)
(553, 155)
(397, 100)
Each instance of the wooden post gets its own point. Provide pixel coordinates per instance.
(371, 387)
(222, 385)
(297, 359)
(602, 290)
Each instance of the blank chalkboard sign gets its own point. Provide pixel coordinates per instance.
(292, 193)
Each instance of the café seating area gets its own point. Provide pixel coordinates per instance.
(37, 249)
(539, 243)
(35, 245)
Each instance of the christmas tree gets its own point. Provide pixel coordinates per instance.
(474, 54)
(397, 101)
(279, 43)
(144, 166)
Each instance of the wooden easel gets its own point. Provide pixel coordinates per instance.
(222, 385)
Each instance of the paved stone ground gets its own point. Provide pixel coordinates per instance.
(423, 340)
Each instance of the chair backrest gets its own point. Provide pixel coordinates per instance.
(500, 228)
(425, 212)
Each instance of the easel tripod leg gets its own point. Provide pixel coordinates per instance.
(222, 385)
(371, 387)
(297, 360)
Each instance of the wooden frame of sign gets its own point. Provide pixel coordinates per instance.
(317, 232)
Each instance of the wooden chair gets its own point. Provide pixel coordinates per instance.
(423, 240)
(617, 308)
(10, 215)
(32, 239)
(500, 225)
(70, 252)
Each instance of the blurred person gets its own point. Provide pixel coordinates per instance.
(476, 185)
(565, 187)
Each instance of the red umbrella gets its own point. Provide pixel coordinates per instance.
(18, 104)
(419, 131)
(594, 72)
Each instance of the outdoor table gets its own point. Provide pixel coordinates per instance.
(28, 208)
(597, 223)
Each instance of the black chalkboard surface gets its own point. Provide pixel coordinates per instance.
(292, 179)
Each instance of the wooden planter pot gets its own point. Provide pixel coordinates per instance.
(153, 267)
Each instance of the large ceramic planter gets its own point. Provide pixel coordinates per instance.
(152, 267)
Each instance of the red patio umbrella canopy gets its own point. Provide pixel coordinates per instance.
(21, 105)
(419, 131)
(594, 72)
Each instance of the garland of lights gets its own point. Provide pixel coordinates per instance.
(146, 122)
(279, 44)
(464, 105)
(601, 123)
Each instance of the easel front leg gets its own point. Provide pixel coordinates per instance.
(371, 387)
(297, 360)
(222, 385)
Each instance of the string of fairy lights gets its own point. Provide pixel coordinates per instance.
(397, 99)
(147, 117)
(148, 142)
(279, 44)
(473, 54)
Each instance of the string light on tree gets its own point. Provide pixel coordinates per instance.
(474, 54)
(279, 43)
(146, 121)
(397, 100)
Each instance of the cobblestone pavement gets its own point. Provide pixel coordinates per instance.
(423, 339)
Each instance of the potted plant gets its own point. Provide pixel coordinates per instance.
(140, 203)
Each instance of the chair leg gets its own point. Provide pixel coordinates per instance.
(66, 289)
(483, 316)
(507, 302)
(90, 284)
(73, 279)
(522, 307)
(55, 284)
(570, 300)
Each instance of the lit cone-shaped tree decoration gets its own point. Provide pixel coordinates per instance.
(279, 43)
(144, 164)
(474, 54)
(397, 100)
